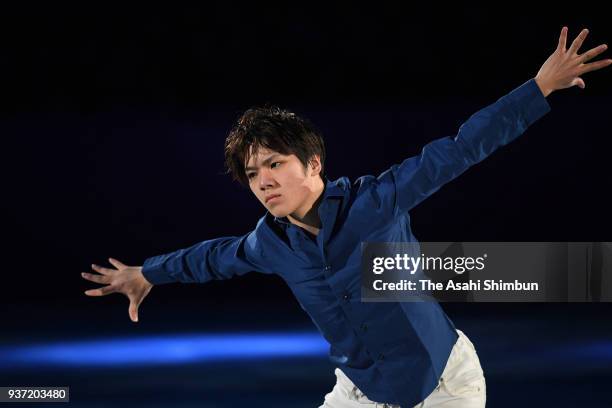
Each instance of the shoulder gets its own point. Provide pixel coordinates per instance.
(370, 184)
(344, 186)
(262, 227)
(367, 192)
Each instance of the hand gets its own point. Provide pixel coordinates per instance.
(128, 280)
(564, 67)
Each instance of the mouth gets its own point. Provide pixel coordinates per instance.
(272, 198)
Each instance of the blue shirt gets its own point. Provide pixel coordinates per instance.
(394, 352)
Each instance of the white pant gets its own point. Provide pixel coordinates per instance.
(462, 384)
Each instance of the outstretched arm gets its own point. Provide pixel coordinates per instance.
(219, 258)
(405, 185)
(564, 66)
(215, 259)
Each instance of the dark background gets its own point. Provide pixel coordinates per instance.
(112, 123)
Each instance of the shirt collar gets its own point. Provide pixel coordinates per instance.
(333, 189)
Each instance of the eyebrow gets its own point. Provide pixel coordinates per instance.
(265, 162)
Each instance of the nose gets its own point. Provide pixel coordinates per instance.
(266, 180)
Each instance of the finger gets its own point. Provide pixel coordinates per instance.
(96, 278)
(592, 53)
(578, 82)
(116, 263)
(102, 270)
(594, 66)
(133, 311)
(577, 43)
(103, 291)
(562, 39)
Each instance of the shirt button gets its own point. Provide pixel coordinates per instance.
(381, 356)
(364, 327)
(346, 296)
(327, 268)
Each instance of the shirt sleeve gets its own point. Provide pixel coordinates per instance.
(220, 258)
(405, 185)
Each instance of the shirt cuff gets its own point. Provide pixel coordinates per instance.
(531, 101)
(154, 272)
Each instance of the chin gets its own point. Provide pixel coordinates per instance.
(279, 213)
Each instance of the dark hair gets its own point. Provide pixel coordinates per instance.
(273, 128)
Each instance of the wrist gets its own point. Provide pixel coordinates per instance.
(142, 275)
(544, 88)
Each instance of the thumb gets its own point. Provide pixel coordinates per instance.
(116, 263)
(578, 81)
(133, 311)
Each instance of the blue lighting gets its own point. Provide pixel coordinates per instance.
(156, 350)
(598, 351)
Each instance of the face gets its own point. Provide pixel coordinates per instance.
(281, 183)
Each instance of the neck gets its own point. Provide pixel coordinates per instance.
(307, 216)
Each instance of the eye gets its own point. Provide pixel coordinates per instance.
(273, 164)
(250, 175)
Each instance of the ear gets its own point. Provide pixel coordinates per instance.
(315, 165)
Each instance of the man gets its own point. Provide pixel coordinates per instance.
(387, 353)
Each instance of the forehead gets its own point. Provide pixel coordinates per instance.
(257, 155)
